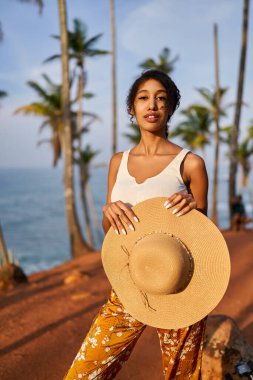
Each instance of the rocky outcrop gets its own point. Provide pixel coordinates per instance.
(224, 347)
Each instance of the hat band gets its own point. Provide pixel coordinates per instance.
(187, 276)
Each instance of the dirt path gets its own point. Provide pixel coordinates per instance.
(43, 323)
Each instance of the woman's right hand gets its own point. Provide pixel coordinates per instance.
(117, 213)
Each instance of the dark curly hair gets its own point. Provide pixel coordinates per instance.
(170, 87)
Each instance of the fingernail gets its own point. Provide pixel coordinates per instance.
(136, 219)
(175, 211)
(124, 232)
(116, 231)
(168, 205)
(179, 214)
(131, 227)
(165, 203)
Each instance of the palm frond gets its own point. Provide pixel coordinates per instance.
(52, 58)
(1, 32)
(3, 94)
(39, 3)
(40, 91)
(38, 109)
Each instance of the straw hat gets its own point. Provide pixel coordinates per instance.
(171, 271)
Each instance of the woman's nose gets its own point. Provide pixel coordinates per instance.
(152, 104)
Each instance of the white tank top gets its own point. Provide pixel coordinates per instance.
(164, 184)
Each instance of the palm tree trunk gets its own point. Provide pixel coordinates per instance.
(83, 174)
(97, 223)
(114, 88)
(3, 248)
(214, 215)
(236, 126)
(77, 244)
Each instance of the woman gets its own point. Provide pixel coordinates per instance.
(154, 167)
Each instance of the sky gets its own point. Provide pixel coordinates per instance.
(144, 28)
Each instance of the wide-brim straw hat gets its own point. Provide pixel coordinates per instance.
(171, 271)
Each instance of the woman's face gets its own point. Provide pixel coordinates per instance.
(151, 106)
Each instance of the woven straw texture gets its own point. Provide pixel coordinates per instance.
(211, 266)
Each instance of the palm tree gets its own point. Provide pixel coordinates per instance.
(244, 152)
(194, 130)
(164, 63)
(214, 213)
(50, 109)
(236, 124)
(135, 136)
(39, 3)
(3, 249)
(86, 156)
(80, 47)
(77, 243)
(3, 94)
(213, 101)
(1, 32)
(114, 88)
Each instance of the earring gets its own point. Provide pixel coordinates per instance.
(132, 120)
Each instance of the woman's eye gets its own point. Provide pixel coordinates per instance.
(143, 97)
(161, 98)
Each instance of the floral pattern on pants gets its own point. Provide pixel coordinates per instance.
(113, 335)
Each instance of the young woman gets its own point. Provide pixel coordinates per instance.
(154, 167)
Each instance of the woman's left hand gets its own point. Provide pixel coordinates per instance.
(184, 201)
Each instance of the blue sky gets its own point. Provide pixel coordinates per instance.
(144, 28)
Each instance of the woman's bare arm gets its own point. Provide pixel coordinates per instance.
(195, 171)
(117, 214)
(111, 179)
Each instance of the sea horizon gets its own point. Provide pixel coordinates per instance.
(32, 213)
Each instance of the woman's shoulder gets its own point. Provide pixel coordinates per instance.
(115, 161)
(193, 162)
(116, 158)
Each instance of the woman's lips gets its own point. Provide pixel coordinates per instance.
(151, 118)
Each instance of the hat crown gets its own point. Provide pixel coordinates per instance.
(160, 264)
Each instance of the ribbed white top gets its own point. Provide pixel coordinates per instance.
(164, 184)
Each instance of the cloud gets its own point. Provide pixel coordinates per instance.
(172, 23)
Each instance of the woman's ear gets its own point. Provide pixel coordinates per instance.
(132, 111)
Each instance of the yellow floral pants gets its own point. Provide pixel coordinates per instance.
(113, 335)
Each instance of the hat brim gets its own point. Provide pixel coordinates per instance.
(211, 266)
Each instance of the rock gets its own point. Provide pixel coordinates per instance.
(10, 275)
(224, 347)
(73, 277)
(80, 296)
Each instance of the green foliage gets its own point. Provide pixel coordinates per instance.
(135, 136)
(164, 62)
(3, 94)
(194, 130)
(39, 3)
(87, 154)
(1, 32)
(50, 109)
(210, 99)
(80, 46)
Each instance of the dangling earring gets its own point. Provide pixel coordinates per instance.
(132, 120)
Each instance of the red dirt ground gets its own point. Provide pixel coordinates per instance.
(43, 323)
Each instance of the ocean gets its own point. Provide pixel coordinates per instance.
(32, 213)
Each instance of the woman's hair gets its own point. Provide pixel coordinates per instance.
(170, 87)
